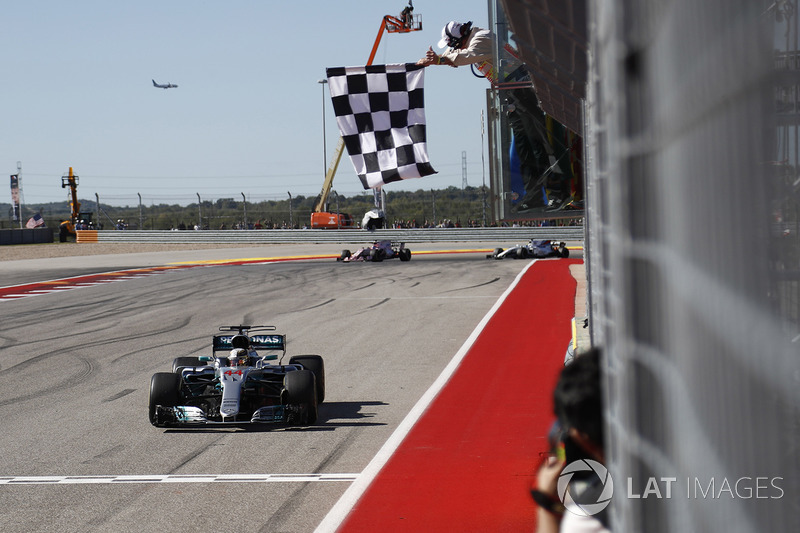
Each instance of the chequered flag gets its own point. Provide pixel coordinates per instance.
(380, 110)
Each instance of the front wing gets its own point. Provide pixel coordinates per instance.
(188, 415)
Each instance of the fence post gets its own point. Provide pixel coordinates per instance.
(141, 219)
(433, 202)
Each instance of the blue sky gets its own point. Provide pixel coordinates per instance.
(247, 117)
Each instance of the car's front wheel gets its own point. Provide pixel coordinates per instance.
(165, 390)
(315, 364)
(301, 391)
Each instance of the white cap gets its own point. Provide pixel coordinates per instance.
(452, 28)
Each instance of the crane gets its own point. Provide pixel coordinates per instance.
(406, 22)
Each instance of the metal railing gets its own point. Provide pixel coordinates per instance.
(517, 235)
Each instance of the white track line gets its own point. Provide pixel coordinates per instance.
(174, 478)
(342, 508)
(78, 285)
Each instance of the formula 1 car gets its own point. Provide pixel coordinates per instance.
(238, 386)
(379, 251)
(535, 249)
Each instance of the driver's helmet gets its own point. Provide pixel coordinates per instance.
(238, 357)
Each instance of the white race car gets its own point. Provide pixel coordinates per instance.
(533, 249)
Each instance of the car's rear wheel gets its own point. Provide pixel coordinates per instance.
(564, 251)
(405, 254)
(301, 391)
(182, 362)
(165, 390)
(317, 366)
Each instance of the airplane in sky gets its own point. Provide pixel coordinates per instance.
(165, 86)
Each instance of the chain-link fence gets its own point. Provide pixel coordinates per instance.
(693, 194)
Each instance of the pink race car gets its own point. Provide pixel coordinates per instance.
(379, 251)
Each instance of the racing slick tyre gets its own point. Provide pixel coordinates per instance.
(317, 366)
(165, 389)
(301, 391)
(563, 251)
(495, 254)
(345, 255)
(182, 362)
(375, 255)
(521, 253)
(404, 254)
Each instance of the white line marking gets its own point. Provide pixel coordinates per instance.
(342, 508)
(175, 478)
(77, 285)
(44, 291)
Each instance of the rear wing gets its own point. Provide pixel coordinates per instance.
(257, 342)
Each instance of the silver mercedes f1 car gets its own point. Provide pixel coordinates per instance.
(237, 385)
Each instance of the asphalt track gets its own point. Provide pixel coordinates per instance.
(79, 454)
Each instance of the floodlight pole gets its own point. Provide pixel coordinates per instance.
(244, 208)
(19, 186)
(322, 83)
(291, 224)
(483, 169)
(199, 212)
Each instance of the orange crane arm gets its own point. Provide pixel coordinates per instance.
(377, 42)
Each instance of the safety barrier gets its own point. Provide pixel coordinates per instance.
(26, 236)
(309, 236)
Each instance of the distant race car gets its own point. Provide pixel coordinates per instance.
(533, 249)
(238, 386)
(379, 251)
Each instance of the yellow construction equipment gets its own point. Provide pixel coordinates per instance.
(77, 218)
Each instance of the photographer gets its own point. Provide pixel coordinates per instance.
(578, 434)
